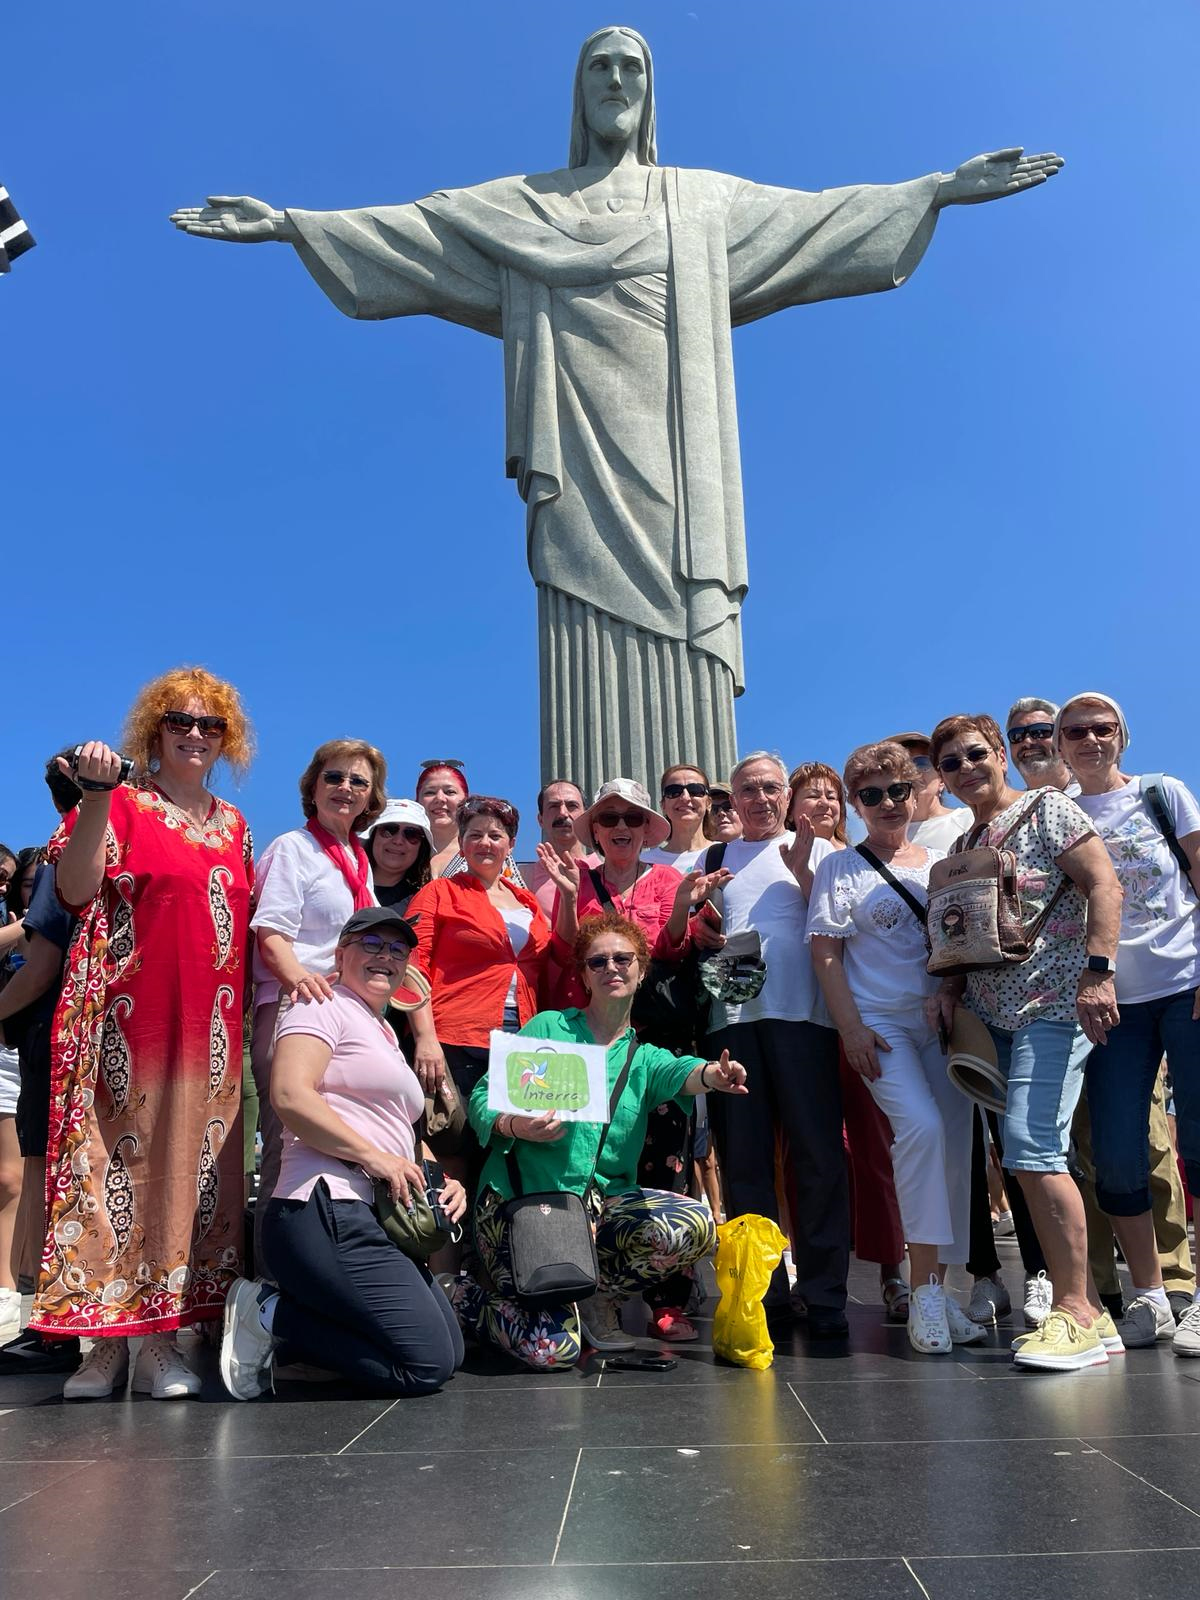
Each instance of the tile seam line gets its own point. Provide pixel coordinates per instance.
(1088, 1445)
(197, 1587)
(563, 1521)
(907, 1567)
(807, 1413)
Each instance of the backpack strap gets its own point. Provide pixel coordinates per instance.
(889, 877)
(1153, 792)
(601, 888)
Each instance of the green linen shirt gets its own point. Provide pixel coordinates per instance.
(655, 1076)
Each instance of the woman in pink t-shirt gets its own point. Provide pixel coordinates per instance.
(347, 1300)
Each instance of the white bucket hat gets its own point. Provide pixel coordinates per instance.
(407, 813)
(658, 829)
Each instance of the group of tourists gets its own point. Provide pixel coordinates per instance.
(778, 1009)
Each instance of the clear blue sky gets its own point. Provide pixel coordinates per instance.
(980, 486)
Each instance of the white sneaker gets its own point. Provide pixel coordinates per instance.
(10, 1314)
(928, 1330)
(247, 1349)
(989, 1301)
(600, 1323)
(1187, 1335)
(104, 1368)
(161, 1372)
(1039, 1298)
(963, 1330)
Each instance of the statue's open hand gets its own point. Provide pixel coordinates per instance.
(238, 218)
(996, 174)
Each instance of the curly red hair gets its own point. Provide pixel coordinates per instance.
(171, 692)
(590, 930)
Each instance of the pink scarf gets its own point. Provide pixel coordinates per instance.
(341, 856)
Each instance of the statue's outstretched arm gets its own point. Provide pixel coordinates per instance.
(995, 175)
(236, 218)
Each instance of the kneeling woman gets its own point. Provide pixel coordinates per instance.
(866, 927)
(348, 1299)
(642, 1236)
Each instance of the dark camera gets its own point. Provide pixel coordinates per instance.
(123, 776)
(435, 1180)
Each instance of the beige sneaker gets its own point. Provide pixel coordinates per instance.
(600, 1323)
(104, 1368)
(161, 1372)
(1061, 1345)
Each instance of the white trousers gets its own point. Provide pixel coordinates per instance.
(931, 1128)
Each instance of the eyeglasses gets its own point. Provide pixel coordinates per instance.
(442, 761)
(975, 757)
(622, 960)
(335, 779)
(374, 944)
(1036, 730)
(391, 829)
(184, 722)
(768, 790)
(675, 791)
(873, 795)
(1075, 731)
(614, 819)
(922, 763)
(721, 805)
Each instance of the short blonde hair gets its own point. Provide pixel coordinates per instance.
(346, 750)
(171, 692)
(889, 758)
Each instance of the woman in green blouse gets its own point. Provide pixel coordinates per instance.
(642, 1236)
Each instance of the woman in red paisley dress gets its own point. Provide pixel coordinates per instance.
(144, 1164)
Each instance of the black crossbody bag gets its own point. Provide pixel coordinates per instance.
(551, 1243)
(890, 878)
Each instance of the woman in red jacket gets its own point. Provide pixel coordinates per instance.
(482, 942)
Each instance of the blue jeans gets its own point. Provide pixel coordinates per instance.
(1120, 1081)
(1043, 1063)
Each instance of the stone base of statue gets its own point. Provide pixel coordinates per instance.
(618, 701)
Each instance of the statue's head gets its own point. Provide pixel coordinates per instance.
(614, 94)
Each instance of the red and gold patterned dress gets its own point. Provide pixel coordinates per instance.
(144, 1163)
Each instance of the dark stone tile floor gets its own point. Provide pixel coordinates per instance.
(847, 1471)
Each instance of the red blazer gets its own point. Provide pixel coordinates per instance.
(464, 950)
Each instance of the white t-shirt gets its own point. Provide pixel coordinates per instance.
(765, 896)
(517, 922)
(300, 893)
(367, 1082)
(682, 860)
(940, 833)
(1160, 915)
(884, 952)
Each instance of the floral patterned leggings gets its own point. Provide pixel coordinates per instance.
(642, 1237)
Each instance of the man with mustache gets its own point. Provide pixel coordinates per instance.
(558, 804)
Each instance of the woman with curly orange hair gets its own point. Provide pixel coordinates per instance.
(144, 1162)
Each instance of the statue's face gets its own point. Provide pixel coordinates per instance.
(614, 88)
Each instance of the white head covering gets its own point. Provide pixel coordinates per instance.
(658, 829)
(1104, 700)
(407, 813)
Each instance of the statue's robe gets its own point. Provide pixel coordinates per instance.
(621, 420)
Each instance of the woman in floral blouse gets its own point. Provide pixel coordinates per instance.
(1044, 1014)
(144, 1163)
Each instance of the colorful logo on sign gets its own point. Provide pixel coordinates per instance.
(545, 1080)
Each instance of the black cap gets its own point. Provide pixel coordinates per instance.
(375, 917)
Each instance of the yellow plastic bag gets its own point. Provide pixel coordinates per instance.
(748, 1251)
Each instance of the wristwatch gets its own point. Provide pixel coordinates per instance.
(1101, 964)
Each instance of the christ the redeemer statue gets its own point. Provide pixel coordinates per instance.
(614, 283)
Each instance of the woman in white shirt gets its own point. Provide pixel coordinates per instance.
(347, 1299)
(1157, 979)
(866, 929)
(308, 882)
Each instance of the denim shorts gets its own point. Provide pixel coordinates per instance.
(1043, 1063)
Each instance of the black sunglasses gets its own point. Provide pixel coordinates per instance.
(442, 761)
(622, 960)
(722, 805)
(184, 722)
(977, 754)
(873, 795)
(1075, 731)
(614, 819)
(1035, 730)
(391, 829)
(675, 791)
(334, 778)
(375, 943)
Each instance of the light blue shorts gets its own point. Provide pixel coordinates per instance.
(1043, 1064)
